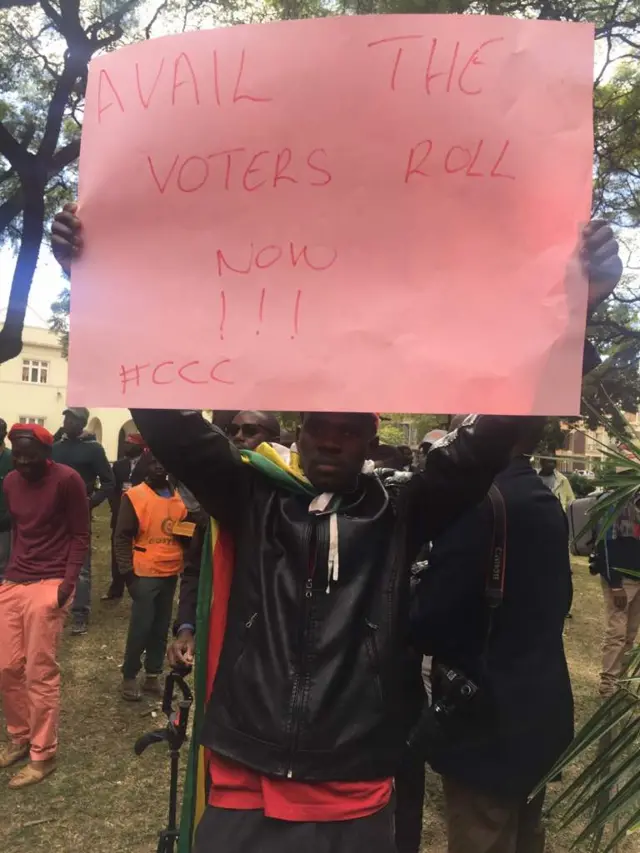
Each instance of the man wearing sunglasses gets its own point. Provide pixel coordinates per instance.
(248, 430)
(303, 726)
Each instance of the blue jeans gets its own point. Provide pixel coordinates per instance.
(82, 602)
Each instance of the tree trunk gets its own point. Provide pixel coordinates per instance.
(32, 232)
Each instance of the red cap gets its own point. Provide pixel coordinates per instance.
(34, 431)
(135, 438)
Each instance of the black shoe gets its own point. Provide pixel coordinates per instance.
(110, 595)
(80, 626)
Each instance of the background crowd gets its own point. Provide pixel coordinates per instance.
(490, 659)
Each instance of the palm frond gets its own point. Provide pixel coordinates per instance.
(603, 801)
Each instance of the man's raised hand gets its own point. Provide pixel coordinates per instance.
(601, 260)
(66, 236)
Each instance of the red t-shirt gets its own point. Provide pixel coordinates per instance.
(236, 787)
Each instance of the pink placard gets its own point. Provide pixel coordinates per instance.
(358, 213)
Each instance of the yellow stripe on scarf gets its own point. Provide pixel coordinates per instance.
(293, 467)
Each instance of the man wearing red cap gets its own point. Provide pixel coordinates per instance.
(124, 476)
(50, 523)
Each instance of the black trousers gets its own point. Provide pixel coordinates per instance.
(116, 588)
(232, 831)
(410, 790)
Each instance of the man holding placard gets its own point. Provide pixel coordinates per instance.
(302, 721)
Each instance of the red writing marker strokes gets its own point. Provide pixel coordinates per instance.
(479, 161)
(192, 174)
(263, 294)
(104, 81)
(460, 159)
(296, 314)
(192, 372)
(398, 56)
(304, 255)
(184, 75)
(494, 171)
(162, 184)
(417, 158)
(269, 256)
(146, 101)
(313, 156)
(238, 95)
(449, 67)
(474, 60)
(241, 170)
(251, 169)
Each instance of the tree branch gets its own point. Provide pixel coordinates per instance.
(18, 157)
(12, 207)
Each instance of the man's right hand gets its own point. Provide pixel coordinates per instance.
(619, 599)
(182, 649)
(66, 236)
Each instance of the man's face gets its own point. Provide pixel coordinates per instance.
(156, 473)
(72, 426)
(29, 458)
(407, 455)
(247, 431)
(333, 447)
(547, 467)
(132, 451)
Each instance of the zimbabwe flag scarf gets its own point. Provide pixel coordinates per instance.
(216, 574)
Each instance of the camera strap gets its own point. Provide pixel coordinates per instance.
(494, 589)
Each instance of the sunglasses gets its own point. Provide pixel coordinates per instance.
(247, 430)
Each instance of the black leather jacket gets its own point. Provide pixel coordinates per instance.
(307, 685)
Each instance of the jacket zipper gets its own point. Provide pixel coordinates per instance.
(298, 690)
(373, 655)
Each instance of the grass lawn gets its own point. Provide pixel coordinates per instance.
(104, 799)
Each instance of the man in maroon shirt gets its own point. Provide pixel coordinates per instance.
(50, 523)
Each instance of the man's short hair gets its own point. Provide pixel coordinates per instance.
(3, 429)
(531, 434)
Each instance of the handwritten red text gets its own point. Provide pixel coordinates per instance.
(426, 159)
(237, 168)
(447, 68)
(318, 258)
(169, 372)
(179, 81)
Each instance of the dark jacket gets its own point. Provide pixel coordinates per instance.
(511, 734)
(616, 556)
(6, 465)
(86, 456)
(122, 474)
(307, 681)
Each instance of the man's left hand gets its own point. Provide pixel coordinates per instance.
(63, 595)
(602, 263)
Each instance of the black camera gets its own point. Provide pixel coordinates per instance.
(454, 692)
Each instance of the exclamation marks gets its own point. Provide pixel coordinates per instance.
(263, 293)
(296, 314)
(223, 313)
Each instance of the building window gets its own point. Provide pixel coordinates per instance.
(35, 371)
(29, 419)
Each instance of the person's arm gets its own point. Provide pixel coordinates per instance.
(78, 521)
(126, 532)
(104, 473)
(188, 596)
(447, 613)
(114, 498)
(458, 473)
(200, 456)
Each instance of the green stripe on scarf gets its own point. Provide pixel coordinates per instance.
(286, 480)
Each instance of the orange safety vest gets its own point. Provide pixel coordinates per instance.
(156, 551)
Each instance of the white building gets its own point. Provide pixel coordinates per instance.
(33, 389)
